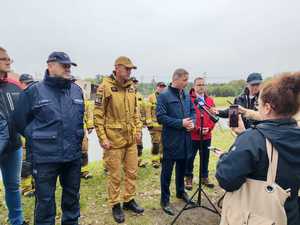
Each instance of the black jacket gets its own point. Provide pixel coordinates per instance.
(9, 94)
(170, 111)
(49, 115)
(245, 101)
(4, 133)
(248, 159)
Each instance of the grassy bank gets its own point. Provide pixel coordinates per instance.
(94, 209)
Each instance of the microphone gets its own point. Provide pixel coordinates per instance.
(200, 106)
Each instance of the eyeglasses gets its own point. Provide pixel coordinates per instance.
(7, 59)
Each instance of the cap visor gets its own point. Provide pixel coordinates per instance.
(255, 82)
(67, 63)
(131, 66)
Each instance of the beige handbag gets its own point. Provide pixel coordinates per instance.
(257, 202)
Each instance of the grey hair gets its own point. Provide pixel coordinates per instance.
(198, 78)
(2, 49)
(178, 73)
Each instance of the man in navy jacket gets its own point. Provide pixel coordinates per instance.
(177, 115)
(50, 116)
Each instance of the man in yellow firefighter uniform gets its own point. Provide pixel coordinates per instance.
(88, 128)
(118, 126)
(27, 183)
(142, 104)
(154, 127)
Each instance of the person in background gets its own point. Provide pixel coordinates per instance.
(154, 127)
(199, 92)
(279, 101)
(248, 99)
(88, 129)
(27, 182)
(26, 80)
(142, 109)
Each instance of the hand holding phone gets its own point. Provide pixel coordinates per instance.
(216, 151)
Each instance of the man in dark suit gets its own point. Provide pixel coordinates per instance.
(177, 115)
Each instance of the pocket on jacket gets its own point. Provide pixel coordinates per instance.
(43, 111)
(114, 134)
(45, 143)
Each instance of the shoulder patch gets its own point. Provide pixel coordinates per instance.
(98, 99)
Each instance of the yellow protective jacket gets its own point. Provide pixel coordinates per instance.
(151, 112)
(88, 114)
(116, 114)
(142, 105)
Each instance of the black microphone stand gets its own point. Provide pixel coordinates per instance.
(190, 204)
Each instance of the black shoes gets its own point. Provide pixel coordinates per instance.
(167, 209)
(133, 206)
(118, 213)
(207, 183)
(184, 196)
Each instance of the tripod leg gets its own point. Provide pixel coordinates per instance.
(185, 207)
(211, 203)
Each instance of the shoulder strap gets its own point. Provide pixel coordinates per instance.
(272, 157)
(273, 162)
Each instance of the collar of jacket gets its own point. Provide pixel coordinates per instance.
(176, 91)
(4, 79)
(57, 82)
(276, 122)
(127, 84)
(247, 92)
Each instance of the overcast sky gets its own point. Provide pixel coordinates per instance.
(225, 38)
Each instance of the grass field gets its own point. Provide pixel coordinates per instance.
(221, 102)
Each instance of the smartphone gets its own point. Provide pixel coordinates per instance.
(234, 116)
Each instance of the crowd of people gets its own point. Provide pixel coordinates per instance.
(44, 127)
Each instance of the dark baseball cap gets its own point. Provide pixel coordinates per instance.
(61, 58)
(161, 84)
(26, 78)
(254, 78)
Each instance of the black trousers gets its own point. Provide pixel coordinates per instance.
(45, 176)
(166, 175)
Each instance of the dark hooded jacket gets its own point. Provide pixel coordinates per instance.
(245, 101)
(49, 114)
(248, 158)
(4, 133)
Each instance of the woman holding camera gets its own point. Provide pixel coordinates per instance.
(279, 100)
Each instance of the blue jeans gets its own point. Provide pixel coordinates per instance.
(204, 157)
(11, 174)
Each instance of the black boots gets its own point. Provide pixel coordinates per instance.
(133, 206)
(118, 213)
